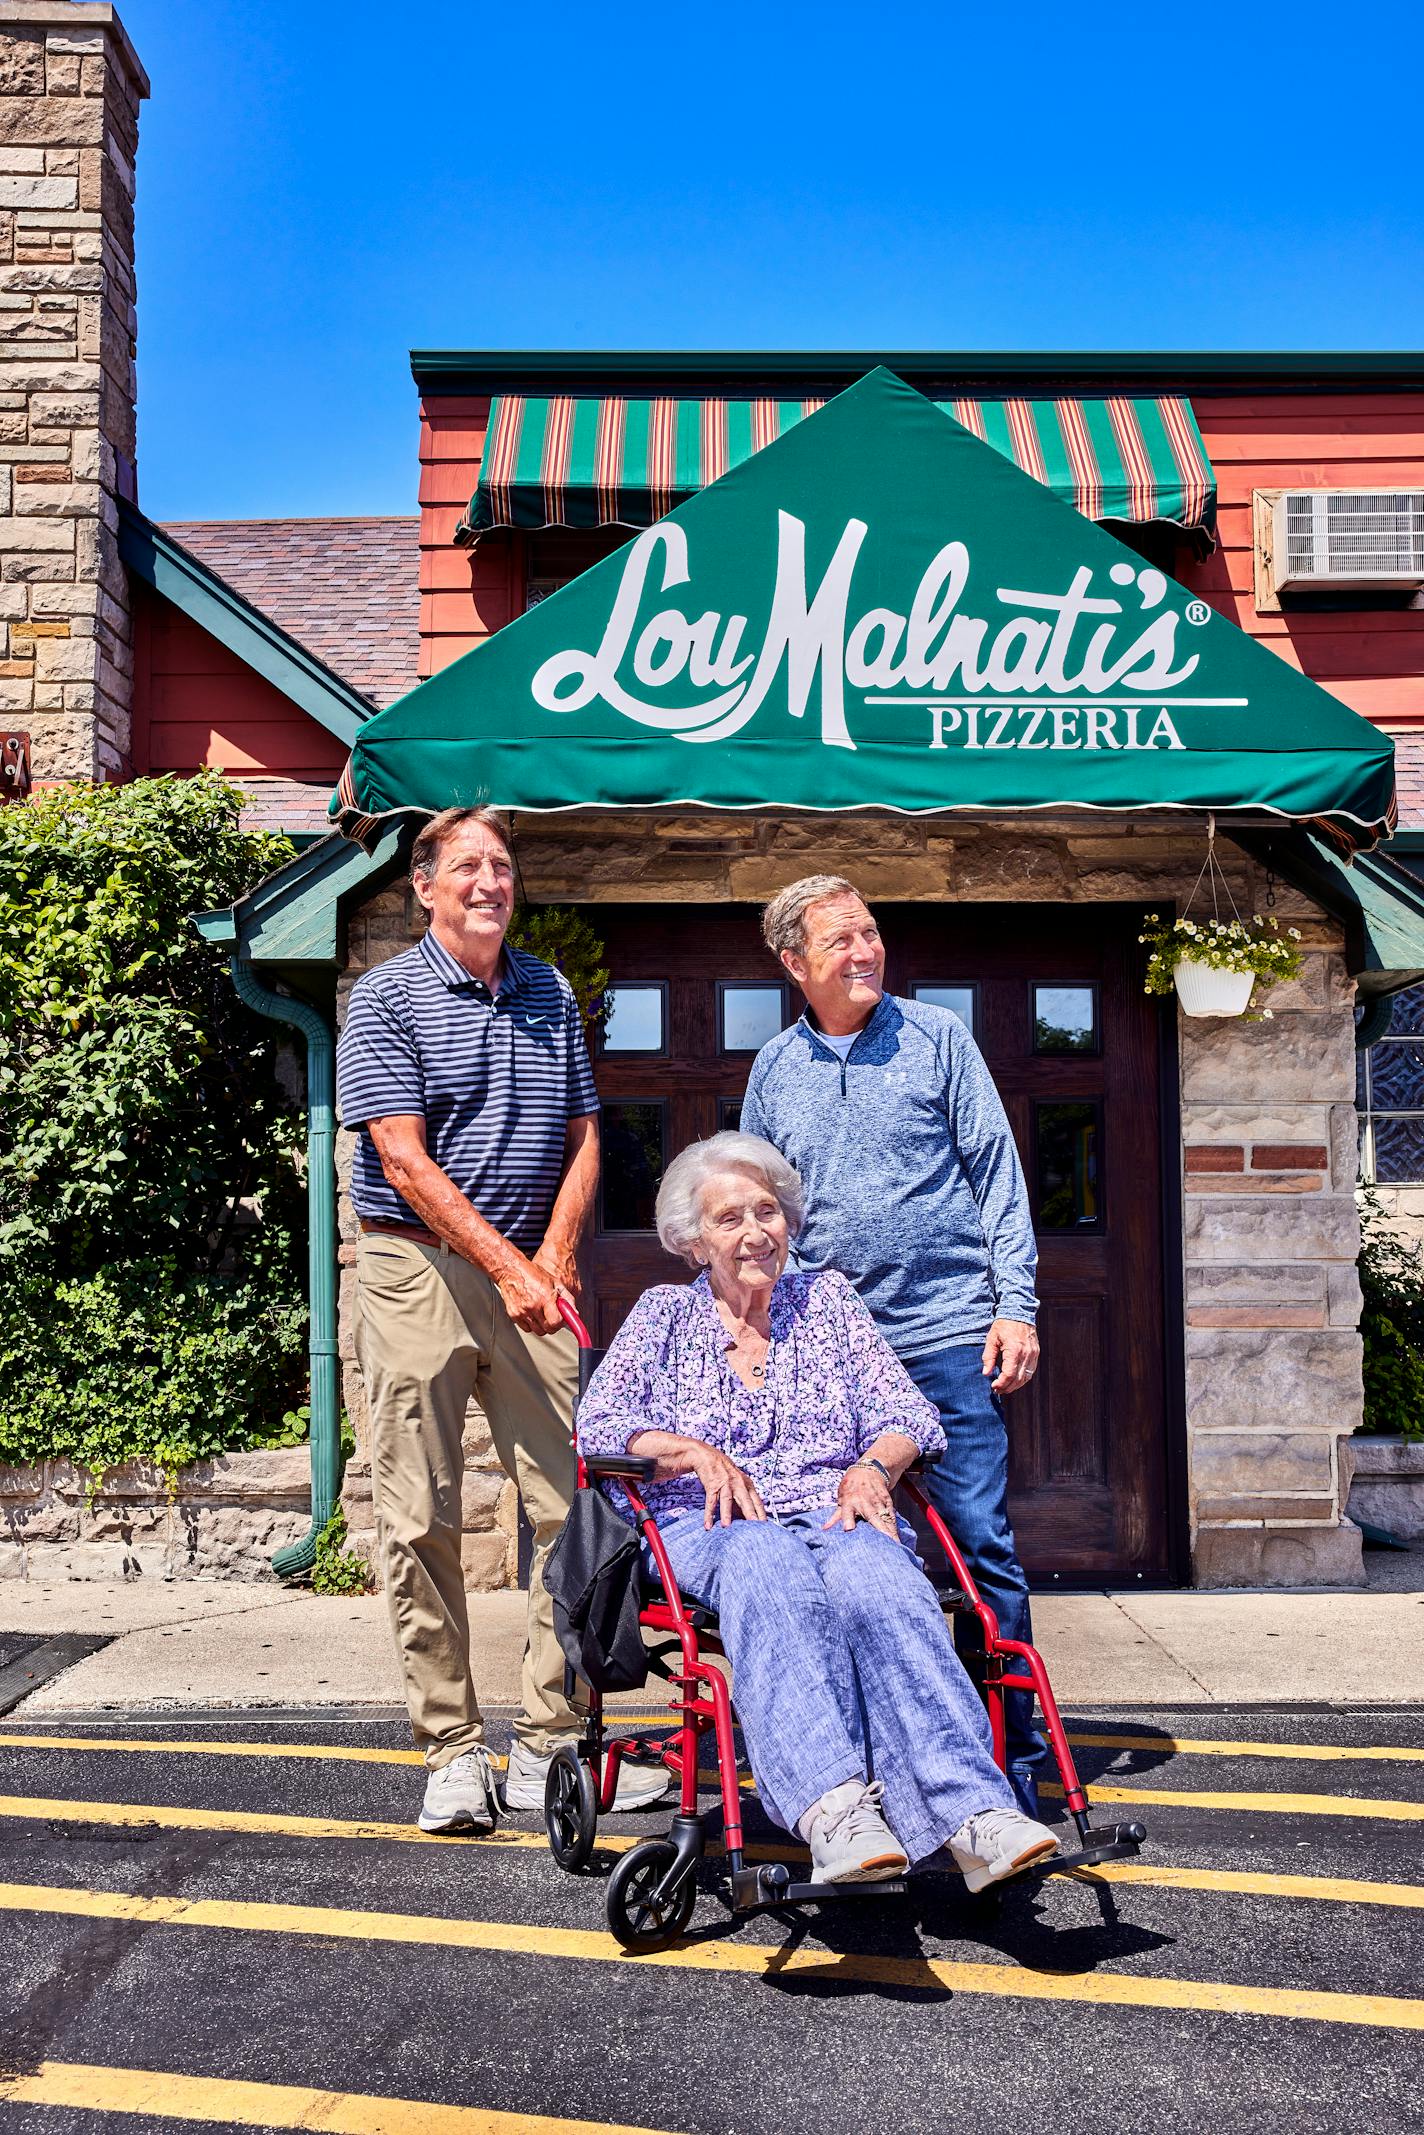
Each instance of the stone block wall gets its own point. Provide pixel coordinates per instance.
(1271, 1297)
(222, 1520)
(70, 88)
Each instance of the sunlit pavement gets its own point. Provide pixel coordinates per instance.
(229, 1920)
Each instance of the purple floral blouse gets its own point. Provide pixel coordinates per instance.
(832, 1386)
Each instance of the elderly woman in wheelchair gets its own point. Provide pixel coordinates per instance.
(779, 1423)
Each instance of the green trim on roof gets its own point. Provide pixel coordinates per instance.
(1293, 370)
(294, 917)
(1380, 901)
(164, 564)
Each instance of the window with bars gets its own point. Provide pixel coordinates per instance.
(1389, 1095)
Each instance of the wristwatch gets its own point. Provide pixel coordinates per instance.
(868, 1460)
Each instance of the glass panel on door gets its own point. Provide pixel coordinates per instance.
(748, 1015)
(1067, 1150)
(958, 999)
(634, 1159)
(637, 1019)
(1065, 1019)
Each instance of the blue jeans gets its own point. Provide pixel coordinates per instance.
(842, 1667)
(969, 1488)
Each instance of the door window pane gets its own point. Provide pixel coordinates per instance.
(634, 1156)
(749, 1015)
(729, 1115)
(637, 1019)
(958, 999)
(1066, 1156)
(1065, 1019)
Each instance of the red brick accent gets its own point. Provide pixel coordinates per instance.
(1256, 1315)
(1215, 1156)
(1258, 1182)
(1289, 1156)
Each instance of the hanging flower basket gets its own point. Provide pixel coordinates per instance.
(1219, 967)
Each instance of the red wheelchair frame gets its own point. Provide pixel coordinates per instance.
(653, 1888)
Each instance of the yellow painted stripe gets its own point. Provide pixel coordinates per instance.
(1004, 1981)
(335, 1752)
(1343, 1890)
(84, 2087)
(179, 1817)
(1367, 1806)
(1209, 1746)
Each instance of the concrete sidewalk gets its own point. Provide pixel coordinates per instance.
(193, 1643)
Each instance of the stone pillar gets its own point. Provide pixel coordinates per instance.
(70, 88)
(1272, 1292)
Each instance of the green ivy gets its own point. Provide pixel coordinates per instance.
(1392, 1324)
(565, 938)
(151, 1203)
(338, 1570)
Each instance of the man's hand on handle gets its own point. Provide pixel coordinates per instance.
(1011, 1350)
(530, 1295)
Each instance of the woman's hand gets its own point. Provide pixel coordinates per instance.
(729, 1490)
(864, 1494)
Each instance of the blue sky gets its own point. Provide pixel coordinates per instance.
(323, 188)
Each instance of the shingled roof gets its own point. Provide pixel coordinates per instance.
(348, 590)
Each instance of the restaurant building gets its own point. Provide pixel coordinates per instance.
(1003, 637)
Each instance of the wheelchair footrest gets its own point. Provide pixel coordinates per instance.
(1109, 1842)
(771, 1884)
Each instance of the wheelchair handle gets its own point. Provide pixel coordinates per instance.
(571, 1320)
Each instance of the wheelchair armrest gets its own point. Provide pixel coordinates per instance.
(630, 1464)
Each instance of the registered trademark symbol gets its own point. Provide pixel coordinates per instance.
(1197, 611)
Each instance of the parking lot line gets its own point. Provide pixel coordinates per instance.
(92, 2088)
(1210, 1746)
(1366, 1806)
(1004, 1981)
(1344, 1890)
(334, 1752)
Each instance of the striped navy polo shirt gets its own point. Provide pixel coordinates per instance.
(497, 1079)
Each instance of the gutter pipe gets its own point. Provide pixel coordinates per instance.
(300, 1556)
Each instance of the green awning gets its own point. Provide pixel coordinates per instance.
(876, 611)
(614, 461)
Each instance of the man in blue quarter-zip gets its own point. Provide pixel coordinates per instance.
(915, 1191)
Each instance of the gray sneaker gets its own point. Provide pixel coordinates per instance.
(998, 1843)
(461, 1795)
(850, 1840)
(639, 1785)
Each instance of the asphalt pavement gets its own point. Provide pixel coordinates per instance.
(227, 1919)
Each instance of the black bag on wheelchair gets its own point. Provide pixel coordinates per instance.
(593, 1579)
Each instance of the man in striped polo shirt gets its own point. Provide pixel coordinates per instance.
(462, 1065)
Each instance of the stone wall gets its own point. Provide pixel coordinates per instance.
(70, 88)
(222, 1520)
(1271, 1231)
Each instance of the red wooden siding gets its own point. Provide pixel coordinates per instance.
(464, 595)
(1371, 658)
(197, 704)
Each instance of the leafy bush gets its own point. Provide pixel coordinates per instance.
(151, 1206)
(1392, 1323)
(563, 937)
(338, 1570)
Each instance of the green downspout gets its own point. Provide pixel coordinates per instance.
(321, 1246)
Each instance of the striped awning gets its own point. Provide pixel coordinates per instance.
(613, 461)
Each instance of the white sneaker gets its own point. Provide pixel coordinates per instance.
(461, 1795)
(639, 1785)
(998, 1843)
(849, 1839)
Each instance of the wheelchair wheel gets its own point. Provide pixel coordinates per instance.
(570, 1810)
(634, 1915)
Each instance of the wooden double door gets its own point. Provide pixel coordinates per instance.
(1053, 994)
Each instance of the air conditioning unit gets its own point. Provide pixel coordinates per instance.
(1347, 537)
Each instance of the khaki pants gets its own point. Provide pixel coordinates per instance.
(431, 1332)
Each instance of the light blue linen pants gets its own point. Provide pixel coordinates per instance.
(842, 1667)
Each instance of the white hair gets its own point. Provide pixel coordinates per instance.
(679, 1208)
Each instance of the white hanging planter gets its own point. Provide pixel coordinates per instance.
(1206, 991)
